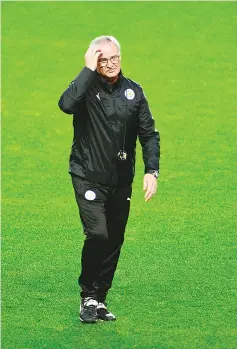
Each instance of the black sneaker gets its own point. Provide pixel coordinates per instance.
(103, 313)
(88, 310)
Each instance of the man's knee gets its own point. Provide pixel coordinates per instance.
(97, 234)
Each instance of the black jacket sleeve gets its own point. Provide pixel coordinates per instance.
(75, 92)
(149, 137)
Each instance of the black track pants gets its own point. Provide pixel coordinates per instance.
(104, 213)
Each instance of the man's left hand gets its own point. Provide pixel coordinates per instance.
(149, 186)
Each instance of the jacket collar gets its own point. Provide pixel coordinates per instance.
(110, 87)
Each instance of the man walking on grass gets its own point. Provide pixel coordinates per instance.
(109, 112)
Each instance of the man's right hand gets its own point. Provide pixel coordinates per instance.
(91, 57)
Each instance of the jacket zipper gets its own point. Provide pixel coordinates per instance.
(115, 143)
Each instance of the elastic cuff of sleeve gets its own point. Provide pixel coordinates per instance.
(155, 173)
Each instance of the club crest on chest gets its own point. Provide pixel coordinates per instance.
(129, 94)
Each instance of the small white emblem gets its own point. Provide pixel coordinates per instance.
(98, 96)
(128, 199)
(129, 94)
(90, 195)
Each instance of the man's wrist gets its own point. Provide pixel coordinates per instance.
(154, 173)
(90, 67)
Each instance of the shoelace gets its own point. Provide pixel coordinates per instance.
(89, 306)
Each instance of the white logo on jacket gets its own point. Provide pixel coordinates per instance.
(90, 195)
(129, 93)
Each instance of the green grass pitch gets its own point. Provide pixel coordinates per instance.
(175, 287)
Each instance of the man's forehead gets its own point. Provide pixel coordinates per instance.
(108, 49)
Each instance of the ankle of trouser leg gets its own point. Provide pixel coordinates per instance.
(84, 294)
(101, 297)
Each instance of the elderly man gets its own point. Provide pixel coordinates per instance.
(109, 112)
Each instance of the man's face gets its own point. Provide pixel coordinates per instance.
(109, 63)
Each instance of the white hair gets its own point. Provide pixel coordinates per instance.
(110, 38)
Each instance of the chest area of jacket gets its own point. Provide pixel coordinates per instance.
(117, 106)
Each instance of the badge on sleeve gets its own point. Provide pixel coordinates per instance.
(129, 93)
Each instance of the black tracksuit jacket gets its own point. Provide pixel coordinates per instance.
(107, 119)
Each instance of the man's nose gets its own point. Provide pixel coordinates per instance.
(110, 64)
